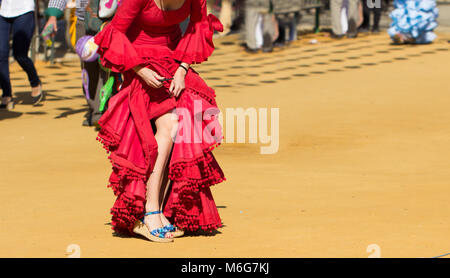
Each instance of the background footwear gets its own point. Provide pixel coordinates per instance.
(363, 30)
(86, 123)
(8, 105)
(334, 36)
(37, 99)
(251, 50)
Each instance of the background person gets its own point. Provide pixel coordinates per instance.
(258, 12)
(374, 8)
(414, 21)
(17, 17)
(226, 15)
(336, 7)
(287, 14)
(96, 77)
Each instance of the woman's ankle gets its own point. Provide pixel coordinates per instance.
(151, 209)
(35, 91)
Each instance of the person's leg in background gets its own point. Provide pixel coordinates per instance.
(335, 7)
(259, 32)
(96, 79)
(281, 41)
(22, 30)
(365, 26)
(353, 18)
(226, 15)
(268, 31)
(251, 22)
(377, 16)
(5, 82)
(293, 35)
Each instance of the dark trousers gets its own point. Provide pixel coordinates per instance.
(96, 80)
(287, 27)
(376, 15)
(22, 28)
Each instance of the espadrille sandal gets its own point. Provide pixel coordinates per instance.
(156, 235)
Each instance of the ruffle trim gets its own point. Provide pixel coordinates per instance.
(191, 181)
(116, 51)
(108, 140)
(197, 44)
(129, 206)
(197, 173)
(191, 224)
(125, 211)
(186, 201)
(208, 98)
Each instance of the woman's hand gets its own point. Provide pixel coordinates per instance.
(150, 77)
(178, 85)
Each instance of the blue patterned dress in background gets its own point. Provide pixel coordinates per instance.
(415, 20)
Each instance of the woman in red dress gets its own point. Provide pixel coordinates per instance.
(145, 43)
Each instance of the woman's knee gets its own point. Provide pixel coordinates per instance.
(167, 126)
(170, 128)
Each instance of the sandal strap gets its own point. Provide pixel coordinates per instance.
(150, 213)
(153, 212)
(169, 228)
(160, 232)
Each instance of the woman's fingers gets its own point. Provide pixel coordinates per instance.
(178, 90)
(156, 83)
(172, 88)
(152, 79)
(157, 76)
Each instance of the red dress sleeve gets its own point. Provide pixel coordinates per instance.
(115, 49)
(197, 43)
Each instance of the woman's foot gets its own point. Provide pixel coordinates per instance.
(7, 103)
(154, 222)
(173, 230)
(37, 95)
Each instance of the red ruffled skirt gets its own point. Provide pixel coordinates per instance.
(127, 134)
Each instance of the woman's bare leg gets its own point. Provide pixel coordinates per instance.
(165, 125)
(163, 193)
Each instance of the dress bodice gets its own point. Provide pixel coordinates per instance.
(153, 26)
(152, 16)
(140, 29)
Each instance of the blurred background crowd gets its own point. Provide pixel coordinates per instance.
(268, 23)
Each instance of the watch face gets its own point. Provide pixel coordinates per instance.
(107, 8)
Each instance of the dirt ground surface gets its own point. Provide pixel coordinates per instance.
(363, 158)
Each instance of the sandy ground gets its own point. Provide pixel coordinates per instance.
(363, 158)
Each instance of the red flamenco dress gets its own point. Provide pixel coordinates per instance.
(143, 34)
